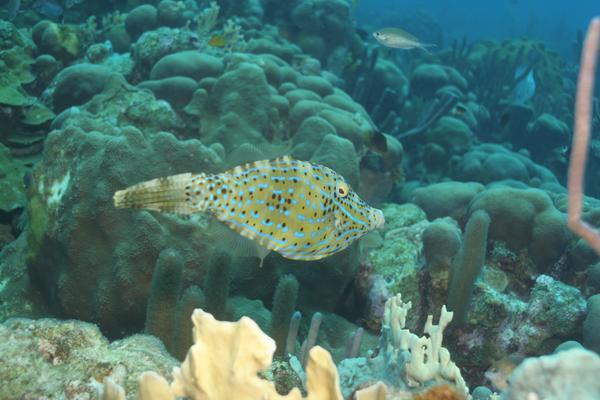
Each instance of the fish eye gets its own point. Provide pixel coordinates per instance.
(342, 189)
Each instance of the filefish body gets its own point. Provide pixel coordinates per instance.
(301, 210)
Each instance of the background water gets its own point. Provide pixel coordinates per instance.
(555, 22)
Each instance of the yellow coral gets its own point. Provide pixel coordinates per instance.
(224, 363)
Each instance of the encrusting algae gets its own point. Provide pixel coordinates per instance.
(301, 210)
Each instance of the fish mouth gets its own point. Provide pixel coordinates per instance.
(378, 219)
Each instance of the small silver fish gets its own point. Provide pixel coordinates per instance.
(301, 210)
(399, 39)
(12, 9)
(525, 89)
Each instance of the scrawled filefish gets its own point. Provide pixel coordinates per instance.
(301, 210)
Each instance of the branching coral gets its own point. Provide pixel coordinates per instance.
(207, 19)
(405, 362)
(428, 359)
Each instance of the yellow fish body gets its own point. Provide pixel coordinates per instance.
(217, 41)
(301, 210)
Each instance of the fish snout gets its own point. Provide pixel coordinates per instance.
(377, 218)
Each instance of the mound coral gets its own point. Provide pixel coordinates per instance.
(65, 42)
(91, 262)
(525, 219)
(488, 163)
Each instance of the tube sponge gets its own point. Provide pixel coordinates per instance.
(284, 303)
(192, 298)
(162, 300)
(311, 338)
(468, 264)
(216, 286)
(591, 324)
(290, 344)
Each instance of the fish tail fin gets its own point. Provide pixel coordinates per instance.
(167, 194)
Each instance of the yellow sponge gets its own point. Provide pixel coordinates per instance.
(224, 363)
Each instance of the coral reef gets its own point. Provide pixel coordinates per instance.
(572, 373)
(465, 149)
(405, 359)
(65, 250)
(50, 358)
